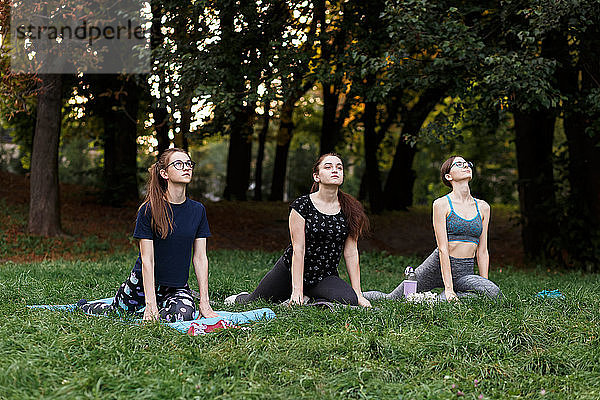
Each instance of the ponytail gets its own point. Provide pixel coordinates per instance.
(353, 210)
(156, 196)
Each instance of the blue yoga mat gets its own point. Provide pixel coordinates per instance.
(183, 326)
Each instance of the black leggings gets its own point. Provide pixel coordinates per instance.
(174, 304)
(276, 287)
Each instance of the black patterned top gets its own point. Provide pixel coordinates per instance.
(324, 239)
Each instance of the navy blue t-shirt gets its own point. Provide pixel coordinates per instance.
(172, 255)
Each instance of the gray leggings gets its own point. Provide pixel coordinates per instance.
(429, 276)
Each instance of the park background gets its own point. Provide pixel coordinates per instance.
(256, 90)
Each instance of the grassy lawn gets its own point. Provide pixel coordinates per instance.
(519, 347)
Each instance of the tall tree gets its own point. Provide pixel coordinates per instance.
(333, 36)
(227, 66)
(262, 137)
(159, 110)
(398, 191)
(115, 99)
(44, 201)
(282, 147)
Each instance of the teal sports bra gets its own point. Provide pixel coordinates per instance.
(463, 230)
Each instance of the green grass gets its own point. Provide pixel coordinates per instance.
(519, 348)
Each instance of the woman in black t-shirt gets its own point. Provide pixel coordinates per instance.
(323, 225)
(170, 228)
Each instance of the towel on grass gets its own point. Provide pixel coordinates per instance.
(197, 326)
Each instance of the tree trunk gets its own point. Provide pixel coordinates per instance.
(181, 138)
(159, 112)
(161, 127)
(329, 126)
(584, 166)
(120, 147)
(284, 138)
(581, 129)
(44, 202)
(240, 154)
(398, 191)
(534, 134)
(373, 182)
(583, 139)
(262, 137)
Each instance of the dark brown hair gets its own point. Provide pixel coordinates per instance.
(156, 195)
(445, 169)
(358, 222)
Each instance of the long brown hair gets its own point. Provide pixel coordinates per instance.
(156, 195)
(358, 222)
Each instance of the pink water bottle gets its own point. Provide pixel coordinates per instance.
(410, 281)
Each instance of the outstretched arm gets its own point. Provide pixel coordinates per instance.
(147, 256)
(352, 264)
(200, 262)
(297, 236)
(440, 210)
(483, 256)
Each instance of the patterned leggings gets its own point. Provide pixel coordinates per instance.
(429, 276)
(174, 304)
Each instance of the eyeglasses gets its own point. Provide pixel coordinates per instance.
(463, 164)
(179, 165)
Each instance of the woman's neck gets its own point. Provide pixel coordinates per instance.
(461, 192)
(175, 193)
(327, 193)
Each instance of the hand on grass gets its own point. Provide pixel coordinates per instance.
(150, 314)
(450, 295)
(363, 302)
(297, 297)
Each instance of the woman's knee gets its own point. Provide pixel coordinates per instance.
(492, 290)
(476, 283)
(180, 310)
(333, 288)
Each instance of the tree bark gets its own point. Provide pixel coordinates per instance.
(119, 111)
(161, 127)
(240, 154)
(181, 138)
(284, 138)
(398, 191)
(329, 126)
(262, 137)
(44, 202)
(582, 131)
(584, 167)
(534, 134)
(372, 173)
(159, 112)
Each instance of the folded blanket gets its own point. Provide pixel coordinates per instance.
(197, 326)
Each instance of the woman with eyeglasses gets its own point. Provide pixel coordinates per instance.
(172, 229)
(323, 225)
(461, 224)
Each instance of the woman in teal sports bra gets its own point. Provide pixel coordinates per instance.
(461, 224)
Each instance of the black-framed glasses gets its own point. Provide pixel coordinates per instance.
(179, 165)
(462, 164)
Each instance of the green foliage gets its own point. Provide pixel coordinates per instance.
(519, 347)
(20, 128)
(488, 143)
(80, 162)
(209, 174)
